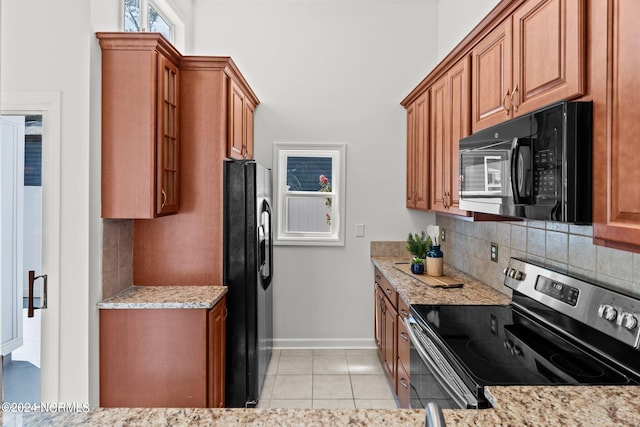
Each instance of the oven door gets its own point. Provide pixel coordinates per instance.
(433, 379)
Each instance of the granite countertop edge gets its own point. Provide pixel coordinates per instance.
(165, 297)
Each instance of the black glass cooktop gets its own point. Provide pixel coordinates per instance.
(499, 345)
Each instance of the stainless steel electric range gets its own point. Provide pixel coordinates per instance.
(558, 330)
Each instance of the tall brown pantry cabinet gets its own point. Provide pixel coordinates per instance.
(168, 123)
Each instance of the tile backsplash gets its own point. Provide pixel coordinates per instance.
(564, 246)
(117, 256)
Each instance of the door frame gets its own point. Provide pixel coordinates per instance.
(48, 104)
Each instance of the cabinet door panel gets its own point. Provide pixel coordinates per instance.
(168, 149)
(248, 129)
(548, 52)
(236, 123)
(449, 122)
(460, 94)
(491, 78)
(378, 310)
(418, 153)
(390, 343)
(217, 354)
(440, 119)
(616, 157)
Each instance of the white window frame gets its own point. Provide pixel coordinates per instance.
(167, 12)
(337, 152)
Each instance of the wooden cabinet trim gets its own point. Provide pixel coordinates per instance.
(138, 42)
(502, 10)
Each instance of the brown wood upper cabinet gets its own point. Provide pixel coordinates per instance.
(532, 58)
(140, 125)
(241, 107)
(616, 87)
(418, 153)
(450, 97)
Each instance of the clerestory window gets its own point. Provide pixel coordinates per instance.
(146, 15)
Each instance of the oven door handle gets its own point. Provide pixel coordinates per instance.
(448, 380)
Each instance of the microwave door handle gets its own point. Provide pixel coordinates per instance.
(515, 152)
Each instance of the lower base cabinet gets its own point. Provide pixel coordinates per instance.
(172, 358)
(392, 339)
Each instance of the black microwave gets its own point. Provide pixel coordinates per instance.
(537, 166)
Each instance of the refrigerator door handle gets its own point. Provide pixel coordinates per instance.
(265, 245)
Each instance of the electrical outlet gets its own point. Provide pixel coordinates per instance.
(494, 252)
(443, 235)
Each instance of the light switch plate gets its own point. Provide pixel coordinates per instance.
(359, 230)
(494, 252)
(443, 235)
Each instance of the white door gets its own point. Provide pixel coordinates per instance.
(21, 236)
(11, 221)
(47, 105)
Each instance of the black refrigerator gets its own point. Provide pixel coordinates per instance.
(248, 273)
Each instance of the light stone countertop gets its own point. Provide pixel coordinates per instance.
(165, 297)
(517, 406)
(416, 292)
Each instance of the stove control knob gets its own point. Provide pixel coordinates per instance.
(628, 321)
(506, 271)
(512, 273)
(519, 275)
(607, 312)
(516, 351)
(508, 344)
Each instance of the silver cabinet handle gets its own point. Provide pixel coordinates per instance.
(404, 336)
(164, 198)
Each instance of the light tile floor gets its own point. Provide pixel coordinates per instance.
(328, 379)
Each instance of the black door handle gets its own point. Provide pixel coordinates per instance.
(31, 306)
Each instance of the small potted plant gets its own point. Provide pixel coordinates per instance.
(418, 245)
(417, 265)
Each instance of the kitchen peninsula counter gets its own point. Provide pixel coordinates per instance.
(530, 406)
(165, 297)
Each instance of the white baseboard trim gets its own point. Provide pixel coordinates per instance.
(321, 343)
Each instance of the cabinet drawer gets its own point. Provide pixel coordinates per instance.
(403, 386)
(403, 338)
(386, 287)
